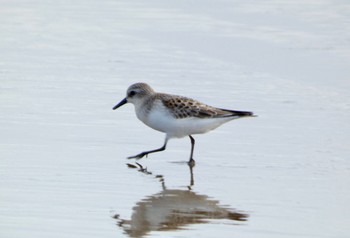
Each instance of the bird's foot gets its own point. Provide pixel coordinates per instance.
(139, 156)
(191, 162)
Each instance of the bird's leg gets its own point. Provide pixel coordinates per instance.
(191, 162)
(142, 154)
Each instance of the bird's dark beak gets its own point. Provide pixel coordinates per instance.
(120, 104)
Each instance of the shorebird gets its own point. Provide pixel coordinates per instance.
(176, 116)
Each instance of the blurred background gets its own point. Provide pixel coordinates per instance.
(63, 167)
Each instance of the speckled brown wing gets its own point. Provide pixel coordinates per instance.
(183, 107)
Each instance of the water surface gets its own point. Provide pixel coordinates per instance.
(63, 166)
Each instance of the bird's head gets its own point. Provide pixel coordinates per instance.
(136, 94)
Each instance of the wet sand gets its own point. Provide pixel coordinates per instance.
(64, 172)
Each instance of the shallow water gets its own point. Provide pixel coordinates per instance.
(63, 166)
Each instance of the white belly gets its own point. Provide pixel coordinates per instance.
(162, 121)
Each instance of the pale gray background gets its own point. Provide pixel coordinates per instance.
(65, 64)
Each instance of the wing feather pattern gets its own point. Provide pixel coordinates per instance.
(183, 107)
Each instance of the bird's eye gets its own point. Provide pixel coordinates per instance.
(132, 93)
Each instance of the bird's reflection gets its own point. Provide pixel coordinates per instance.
(174, 209)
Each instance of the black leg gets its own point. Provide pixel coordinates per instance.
(142, 154)
(191, 162)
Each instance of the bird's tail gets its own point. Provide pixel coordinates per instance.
(235, 113)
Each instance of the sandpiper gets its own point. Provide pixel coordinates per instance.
(176, 116)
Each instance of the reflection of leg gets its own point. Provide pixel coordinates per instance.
(191, 162)
(191, 173)
(142, 154)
